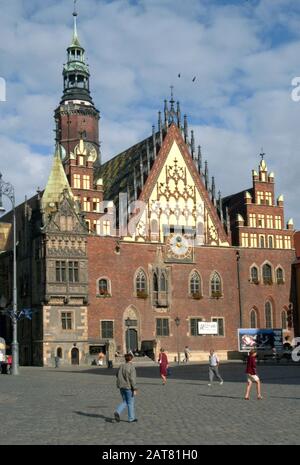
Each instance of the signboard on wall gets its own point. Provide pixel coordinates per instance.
(261, 339)
(207, 327)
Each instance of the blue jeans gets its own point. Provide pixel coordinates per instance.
(128, 401)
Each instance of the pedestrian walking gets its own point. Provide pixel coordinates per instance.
(56, 361)
(163, 365)
(126, 382)
(187, 354)
(214, 363)
(100, 358)
(252, 376)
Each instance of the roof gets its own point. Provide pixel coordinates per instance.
(118, 173)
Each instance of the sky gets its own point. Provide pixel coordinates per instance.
(244, 54)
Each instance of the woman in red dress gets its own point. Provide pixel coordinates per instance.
(163, 365)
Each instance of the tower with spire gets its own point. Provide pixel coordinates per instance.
(76, 117)
(77, 131)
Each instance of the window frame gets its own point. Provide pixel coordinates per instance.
(162, 320)
(216, 319)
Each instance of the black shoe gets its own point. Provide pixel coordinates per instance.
(117, 417)
(133, 421)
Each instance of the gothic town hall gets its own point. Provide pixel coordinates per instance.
(133, 253)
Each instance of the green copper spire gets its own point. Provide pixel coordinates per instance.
(56, 185)
(76, 70)
(75, 41)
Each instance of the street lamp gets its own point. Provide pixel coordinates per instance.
(7, 189)
(177, 322)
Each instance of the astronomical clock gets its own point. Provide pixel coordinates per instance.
(179, 248)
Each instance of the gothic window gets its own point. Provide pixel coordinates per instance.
(155, 282)
(66, 320)
(141, 284)
(270, 221)
(284, 319)
(287, 243)
(268, 315)
(103, 287)
(252, 220)
(60, 269)
(253, 240)
(163, 282)
(195, 285)
(160, 288)
(215, 285)
(254, 274)
(86, 181)
(278, 222)
(253, 318)
(96, 205)
(77, 181)
(261, 221)
(162, 327)
(107, 329)
(73, 272)
(279, 275)
(267, 274)
(268, 198)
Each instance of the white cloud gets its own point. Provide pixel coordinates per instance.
(243, 55)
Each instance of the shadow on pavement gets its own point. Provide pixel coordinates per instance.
(95, 415)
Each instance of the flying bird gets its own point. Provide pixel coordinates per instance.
(194, 79)
(179, 75)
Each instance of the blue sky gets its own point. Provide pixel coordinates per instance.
(243, 53)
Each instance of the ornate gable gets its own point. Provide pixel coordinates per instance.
(175, 198)
(65, 219)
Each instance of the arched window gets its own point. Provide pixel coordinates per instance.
(163, 282)
(103, 286)
(262, 241)
(155, 282)
(267, 274)
(268, 315)
(141, 283)
(271, 243)
(253, 318)
(284, 319)
(279, 276)
(195, 284)
(254, 274)
(215, 285)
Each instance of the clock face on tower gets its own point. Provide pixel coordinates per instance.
(178, 247)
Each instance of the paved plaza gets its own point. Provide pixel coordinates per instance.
(75, 406)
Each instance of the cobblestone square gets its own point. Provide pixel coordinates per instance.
(75, 406)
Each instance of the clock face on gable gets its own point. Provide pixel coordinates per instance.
(179, 247)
